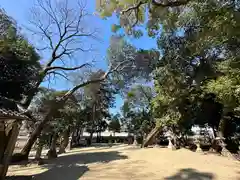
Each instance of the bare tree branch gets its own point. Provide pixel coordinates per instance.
(67, 69)
(68, 24)
(59, 74)
(137, 6)
(100, 79)
(171, 3)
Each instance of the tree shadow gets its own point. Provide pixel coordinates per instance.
(19, 178)
(191, 174)
(71, 166)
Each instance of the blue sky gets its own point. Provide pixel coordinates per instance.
(19, 9)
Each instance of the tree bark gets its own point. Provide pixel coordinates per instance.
(150, 136)
(52, 153)
(64, 142)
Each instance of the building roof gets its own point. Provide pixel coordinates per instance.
(9, 114)
(10, 110)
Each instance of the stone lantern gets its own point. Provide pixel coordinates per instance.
(197, 142)
(169, 137)
(224, 152)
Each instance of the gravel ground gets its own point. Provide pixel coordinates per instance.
(128, 163)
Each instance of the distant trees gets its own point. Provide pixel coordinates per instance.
(114, 124)
(137, 111)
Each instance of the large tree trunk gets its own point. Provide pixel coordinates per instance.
(151, 136)
(64, 142)
(23, 155)
(52, 153)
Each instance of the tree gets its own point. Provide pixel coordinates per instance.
(116, 67)
(203, 62)
(19, 65)
(141, 62)
(67, 23)
(114, 125)
(19, 61)
(100, 97)
(131, 14)
(137, 111)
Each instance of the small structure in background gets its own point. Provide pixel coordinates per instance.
(106, 137)
(10, 119)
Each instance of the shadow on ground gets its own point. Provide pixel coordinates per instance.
(72, 166)
(191, 174)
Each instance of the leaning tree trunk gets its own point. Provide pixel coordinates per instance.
(8, 138)
(23, 155)
(151, 136)
(52, 153)
(64, 142)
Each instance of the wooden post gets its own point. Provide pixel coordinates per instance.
(9, 149)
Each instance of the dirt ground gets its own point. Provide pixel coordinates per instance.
(130, 163)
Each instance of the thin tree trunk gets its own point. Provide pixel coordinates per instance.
(90, 137)
(39, 151)
(64, 142)
(92, 126)
(52, 153)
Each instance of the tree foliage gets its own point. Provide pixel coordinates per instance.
(114, 124)
(199, 44)
(19, 61)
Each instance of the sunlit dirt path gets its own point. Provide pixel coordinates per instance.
(129, 163)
